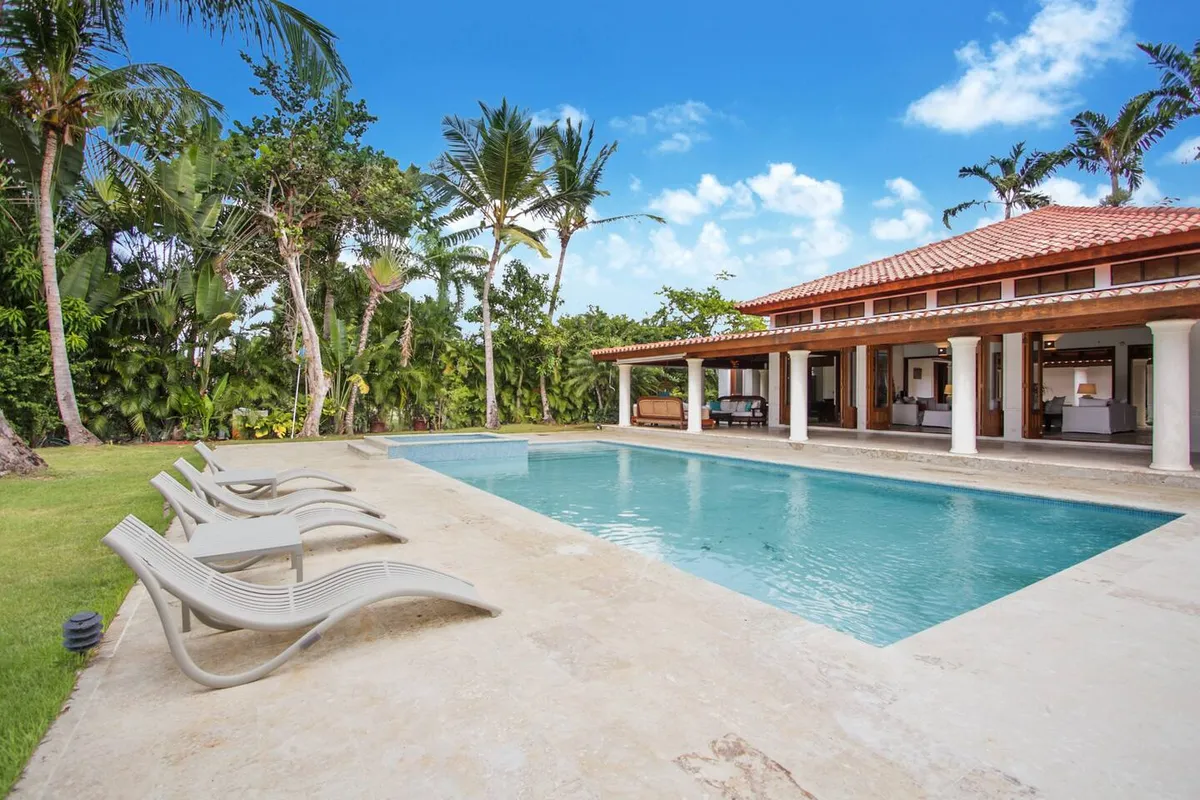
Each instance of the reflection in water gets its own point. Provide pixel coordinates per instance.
(874, 558)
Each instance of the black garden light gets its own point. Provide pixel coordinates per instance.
(82, 631)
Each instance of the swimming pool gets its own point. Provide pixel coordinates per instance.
(433, 448)
(876, 558)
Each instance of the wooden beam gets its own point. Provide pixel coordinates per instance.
(1074, 315)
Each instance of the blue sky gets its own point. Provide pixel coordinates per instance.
(783, 142)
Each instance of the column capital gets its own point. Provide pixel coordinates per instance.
(692, 361)
(1170, 325)
(960, 341)
(624, 367)
(799, 353)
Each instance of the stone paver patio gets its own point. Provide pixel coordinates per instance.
(612, 675)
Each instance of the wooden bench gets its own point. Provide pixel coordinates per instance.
(669, 412)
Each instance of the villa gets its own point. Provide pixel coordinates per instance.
(1064, 323)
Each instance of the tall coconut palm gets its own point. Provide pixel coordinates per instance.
(1179, 92)
(55, 84)
(494, 168)
(1014, 181)
(1118, 147)
(388, 272)
(577, 174)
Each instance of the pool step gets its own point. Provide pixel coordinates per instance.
(365, 449)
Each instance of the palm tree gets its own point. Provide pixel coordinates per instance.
(1118, 147)
(577, 174)
(56, 86)
(1179, 92)
(271, 23)
(386, 273)
(493, 168)
(1014, 182)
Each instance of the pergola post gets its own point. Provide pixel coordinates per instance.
(963, 352)
(695, 395)
(860, 386)
(624, 391)
(799, 392)
(1172, 442)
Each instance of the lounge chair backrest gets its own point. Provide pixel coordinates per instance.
(190, 508)
(210, 457)
(204, 487)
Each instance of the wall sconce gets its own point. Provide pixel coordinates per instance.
(1048, 344)
(943, 348)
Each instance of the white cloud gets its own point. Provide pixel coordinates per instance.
(1187, 151)
(1030, 77)
(1066, 192)
(635, 183)
(900, 191)
(996, 18)
(682, 206)
(700, 261)
(681, 125)
(911, 224)
(784, 190)
(565, 112)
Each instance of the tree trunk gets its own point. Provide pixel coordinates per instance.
(64, 387)
(1115, 177)
(492, 421)
(15, 456)
(368, 313)
(327, 320)
(563, 241)
(318, 384)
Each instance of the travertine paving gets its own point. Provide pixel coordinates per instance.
(612, 675)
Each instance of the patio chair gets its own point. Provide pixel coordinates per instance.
(295, 473)
(192, 510)
(204, 486)
(226, 603)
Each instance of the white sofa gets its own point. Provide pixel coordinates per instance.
(1098, 415)
(904, 414)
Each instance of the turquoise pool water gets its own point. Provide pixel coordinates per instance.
(442, 438)
(875, 558)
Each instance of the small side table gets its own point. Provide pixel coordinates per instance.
(245, 538)
(250, 477)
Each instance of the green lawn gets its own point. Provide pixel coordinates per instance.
(52, 565)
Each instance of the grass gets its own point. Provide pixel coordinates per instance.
(52, 565)
(530, 427)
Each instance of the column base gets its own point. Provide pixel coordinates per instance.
(972, 452)
(1167, 468)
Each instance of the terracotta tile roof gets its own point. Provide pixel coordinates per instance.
(679, 347)
(1055, 229)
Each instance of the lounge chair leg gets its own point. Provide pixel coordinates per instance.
(187, 618)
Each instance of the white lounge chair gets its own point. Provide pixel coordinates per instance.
(226, 603)
(193, 509)
(256, 490)
(205, 486)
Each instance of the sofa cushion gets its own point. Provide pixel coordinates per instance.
(1092, 402)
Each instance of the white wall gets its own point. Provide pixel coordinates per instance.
(1060, 381)
(826, 380)
(923, 386)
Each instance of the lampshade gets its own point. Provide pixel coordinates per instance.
(949, 388)
(1086, 388)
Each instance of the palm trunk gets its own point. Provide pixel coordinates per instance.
(327, 320)
(318, 384)
(368, 313)
(563, 241)
(16, 457)
(492, 421)
(64, 387)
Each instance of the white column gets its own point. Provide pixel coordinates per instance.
(695, 396)
(724, 382)
(624, 389)
(1014, 387)
(773, 394)
(1172, 400)
(963, 352)
(860, 385)
(799, 404)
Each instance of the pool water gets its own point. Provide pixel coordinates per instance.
(876, 558)
(443, 438)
